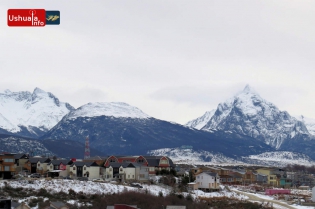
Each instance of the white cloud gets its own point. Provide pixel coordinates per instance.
(172, 59)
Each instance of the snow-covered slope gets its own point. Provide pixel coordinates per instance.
(200, 122)
(201, 157)
(279, 158)
(190, 156)
(249, 114)
(35, 112)
(115, 109)
(309, 123)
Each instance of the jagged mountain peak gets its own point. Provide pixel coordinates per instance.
(31, 113)
(248, 114)
(249, 89)
(114, 109)
(39, 91)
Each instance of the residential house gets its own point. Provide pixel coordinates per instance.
(196, 171)
(20, 160)
(98, 159)
(57, 205)
(261, 178)
(158, 163)
(7, 166)
(16, 205)
(272, 176)
(57, 168)
(127, 172)
(37, 164)
(249, 177)
(208, 181)
(115, 170)
(154, 163)
(237, 177)
(91, 170)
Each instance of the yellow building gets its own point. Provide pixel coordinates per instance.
(272, 177)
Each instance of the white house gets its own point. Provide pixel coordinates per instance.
(85, 169)
(208, 181)
(127, 171)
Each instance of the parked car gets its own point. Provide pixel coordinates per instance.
(18, 176)
(35, 175)
(136, 185)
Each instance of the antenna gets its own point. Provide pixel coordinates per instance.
(87, 148)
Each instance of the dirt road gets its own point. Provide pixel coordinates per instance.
(255, 198)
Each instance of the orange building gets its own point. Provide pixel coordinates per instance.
(7, 166)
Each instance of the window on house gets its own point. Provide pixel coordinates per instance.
(133, 176)
(8, 160)
(164, 162)
(112, 160)
(141, 175)
(73, 168)
(121, 169)
(38, 165)
(6, 168)
(140, 161)
(84, 168)
(110, 169)
(56, 167)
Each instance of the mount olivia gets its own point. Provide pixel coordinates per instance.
(246, 125)
(248, 114)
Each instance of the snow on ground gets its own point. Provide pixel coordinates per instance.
(87, 187)
(199, 193)
(276, 206)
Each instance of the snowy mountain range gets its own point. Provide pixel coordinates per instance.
(248, 114)
(201, 157)
(279, 158)
(119, 128)
(242, 127)
(30, 114)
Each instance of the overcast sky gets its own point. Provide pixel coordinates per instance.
(172, 59)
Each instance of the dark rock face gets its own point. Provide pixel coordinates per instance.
(136, 136)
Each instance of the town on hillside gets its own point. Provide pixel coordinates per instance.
(137, 171)
(141, 168)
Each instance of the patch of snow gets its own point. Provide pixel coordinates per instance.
(38, 109)
(115, 109)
